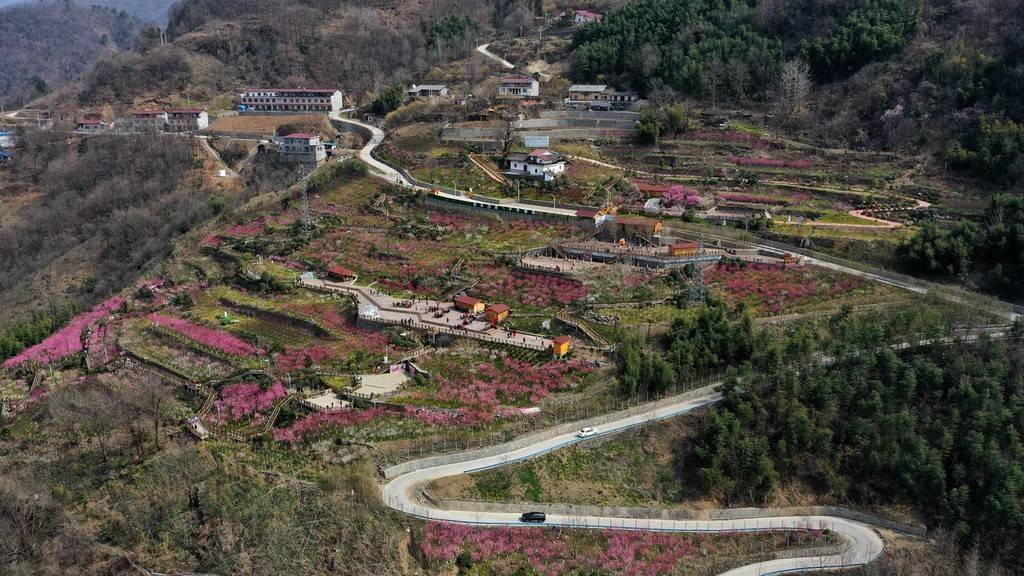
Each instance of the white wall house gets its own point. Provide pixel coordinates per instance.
(541, 164)
(586, 17)
(291, 100)
(600, 96)
(426, 91)
(301, 148)
(187, 120)
(519, 87)
(148, 120)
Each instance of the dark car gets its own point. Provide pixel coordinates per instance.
(533, 517)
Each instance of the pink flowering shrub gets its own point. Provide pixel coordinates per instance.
(238, 401)
(531, 289)
(216, 339)
(770, 162)
(213, 241)
(681, 196)
(294, 359)
(510, 382)
(557, 552)
(67, 340)
(321, 422)
(772, 287)
(751, 198)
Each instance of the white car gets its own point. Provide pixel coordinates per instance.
(586, 433)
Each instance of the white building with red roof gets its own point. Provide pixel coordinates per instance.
(291, 100)
(301, 148)
(586, 17)
(148, 120)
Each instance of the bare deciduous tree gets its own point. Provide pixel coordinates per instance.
(795, 88)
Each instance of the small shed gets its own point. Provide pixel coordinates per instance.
(496, 313)
(469, 304)
(683, 248)
(561, 345)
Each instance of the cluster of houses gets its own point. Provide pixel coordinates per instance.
(526, 90)
(174, 120)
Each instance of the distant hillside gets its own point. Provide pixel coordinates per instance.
(33, 62)
(145, 10)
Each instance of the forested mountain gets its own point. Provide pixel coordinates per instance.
(145, 10)
(34, 62)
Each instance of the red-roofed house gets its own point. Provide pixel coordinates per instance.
(496, 313)
(151, 120)
(560, 345)
(340, 273)
(518, 87)
(469, 304)
(650, 189)
(683, 248)
(187, 119)
(630, 228)
(301, 148)
(541, 164)
(586, 17)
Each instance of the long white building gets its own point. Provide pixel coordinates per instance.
(291, 100)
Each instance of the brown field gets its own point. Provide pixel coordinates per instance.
(266, 125)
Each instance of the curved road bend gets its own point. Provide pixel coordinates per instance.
(504, 63)
(863, 544)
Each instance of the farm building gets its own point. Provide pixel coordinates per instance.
(561, 345)
(683, 248)
(518, 87)
(541, 164)
(301, 148)
(496, 313)
(469, 304)
(427, 91)
(651, 189)
(148, 120)
(187, 119)
(633, 228)
(291, 100)
(586, 17)
(91, 125)
(600, 96)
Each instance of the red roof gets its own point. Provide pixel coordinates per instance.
(498, 308)
(148, 112)
(561, 339)
(91, 122)
(650, 188)
(635, 220)
(293, 90)
(340, 271)
(685, 245)
(588, 13)
(301, 135)
(186, 111)
(467, 300)
(586, 213)
(517, 80)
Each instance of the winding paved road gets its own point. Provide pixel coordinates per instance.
(504, 63)
(863, 544)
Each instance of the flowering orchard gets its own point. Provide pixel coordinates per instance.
(246, 399)
(614, 552)
(320, 423)
(760, 162)
(68, 340)
(772, 288)
(530, 289)
(215, 339)
(681, 196)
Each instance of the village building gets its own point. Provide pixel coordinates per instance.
(148, 120)
(91, 125)
(633, 228)
(301, 148)
(651, 189)
(8, 139)
(187, 120)
(291, 100)
(519, 87)
(683, 248)
(586, 17)
(496, 313)
(600, 96)
(541, 164)
(427, 91)
(561, 345)
(469, 304)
